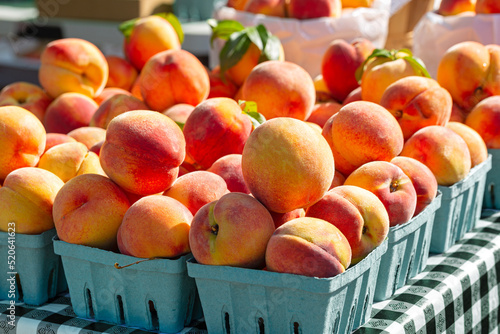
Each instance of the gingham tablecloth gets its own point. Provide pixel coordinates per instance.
(458, 292)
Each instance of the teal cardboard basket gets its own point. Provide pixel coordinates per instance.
(492, 189)
(195, 10)
(461, 207)
(407, 251)
(239, 300)
(36, 274)
(154, 295)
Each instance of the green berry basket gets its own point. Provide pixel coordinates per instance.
(492, 189)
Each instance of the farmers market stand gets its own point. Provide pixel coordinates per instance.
(458, 291)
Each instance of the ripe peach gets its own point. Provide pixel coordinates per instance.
(88, 210)
(287, 165)
(72, 65)
(69, 111)
(442, 150)
(22, 139)
(215, 128)
(142, 151)
(391, 185)
(171, 77)
(421, 177)
(229, 168)
(113, 106)
(236, 4)
(121, 73)
(338, 180)
(196, 189)
(26, 95)
(52, 139)
(455, 7)
(310, 247)
(358, 214)
(136, 88)
(458, 114)
(220, 87)
(354, 95)
(321, 112)
(179, 113)
(484, 118)
(96, 148)
(356, 3)
(280, 89)
(107, 92)
(475, 143)
(88, 135)
(155, 226)
(232, 231)
(417, 102)
(26, 199)
(362, 132)
(311, 9)
(487, 7)
(266, 7)
(281, 218)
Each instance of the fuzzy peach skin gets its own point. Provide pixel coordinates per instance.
(107, 92)
(338, 179)
(69, 111)
(220, 87)
(323, 94)
(142, 151)
(232, 231)
(236, 4)
(26, 199)
(68, 160)
(171, 77)
(150, 35)
(391, 185)
(487, 7)
(287, 165)
(88, 135)
(229, 168)
(354, 95)
(340, 62)
(155, 226)
(362, 132)
(322, 111)
(358, 214)
(179, 113)
(417, 102)
(215, 128)
(310, 247)
(470, 71)
(88, 210)
(455, 7)
(311, 9)
(26, 95)
(197, 188)
(475, 143)
(96, 148)
(72, 65)
(442, 150)
(266, 7)
(122, 73)
(22, 139)
(484, 118)
(421, 177)
(114, 106)
(458, 114)
(280, 89)
(52, 139)
(281, 218)
(356, 3)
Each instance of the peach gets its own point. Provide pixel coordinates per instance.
(475, 143)
(26, 198)
(69, 111)
(442, 150)
(458, 114)
(179, 113)
(88, 210)
(113, 106)
(356, 3)
(96, 148)
(231, 231)
(484, 118)
(362, 132)
(311, 9)
(470, 71)
(171, 77)
(236, 4)
(417, 102)
(72, 65)
(107, 92)
(323, 94)
(281, 218)
(219, 86)
(340, 62)
(280, 89)
(136, 88)
(487, 7)
(142, 151)
(88, 135)
(52, 139)
(266, 7)
(121, 73)
(358, 213)
(68, 160)
(287, 165)
(310, 247)
(26, 95)
(197, 188)
(322, 111)
(391, 185)
(338, 180)
(215, 128)
(229, 168)
(354, 95)
(155, 226)
(22, 139)
(455, 7)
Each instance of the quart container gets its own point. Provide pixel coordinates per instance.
(153, 295)
(407, 251)
(31, 272)
(491, 198)
(239, 300)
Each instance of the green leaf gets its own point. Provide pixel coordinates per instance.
(377, 53)
(223, 29)
(233, 51)
(180, 124)
(271, 45)
(255, 37)
(127, 27)
(176, 24)
(418, 66)
(249, 108)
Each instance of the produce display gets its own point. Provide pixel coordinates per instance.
(255, 164)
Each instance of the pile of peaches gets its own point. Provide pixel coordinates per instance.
(468, 7)
(259, 166)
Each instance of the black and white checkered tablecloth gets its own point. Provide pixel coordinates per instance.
(458, 292)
